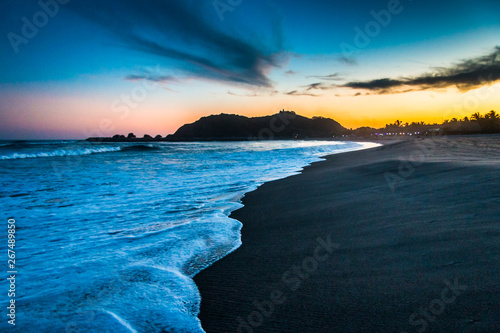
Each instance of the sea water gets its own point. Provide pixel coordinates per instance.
(109, 235)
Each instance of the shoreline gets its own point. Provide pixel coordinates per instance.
(263, 286)
(347, 138)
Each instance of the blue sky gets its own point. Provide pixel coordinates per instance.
(251, 57)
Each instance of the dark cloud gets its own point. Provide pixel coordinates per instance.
(290, 72)
(465, 75)
(379, 84)
(178, 30)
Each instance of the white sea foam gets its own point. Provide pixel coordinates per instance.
(126, 232)
(60, 152)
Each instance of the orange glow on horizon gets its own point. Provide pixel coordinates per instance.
(164, 112)
(370, 110)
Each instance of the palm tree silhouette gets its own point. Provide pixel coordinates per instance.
(476, 116)
(492, 115)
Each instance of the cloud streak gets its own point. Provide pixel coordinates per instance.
(298, 93)
(466, 75)
(319, 86)
(178, 31)
(348, 61)
(272, 93)
(330, 77)
(152, 78)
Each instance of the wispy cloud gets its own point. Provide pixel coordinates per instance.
(465, 75)
(255, 94)
(318, 86)
(330, 77)
(169, 29)
(306, 90)
(297, 93)
(152, 78)
(348, 60)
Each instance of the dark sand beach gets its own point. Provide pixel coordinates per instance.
(400, 238)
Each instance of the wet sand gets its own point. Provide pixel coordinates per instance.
(400, 238)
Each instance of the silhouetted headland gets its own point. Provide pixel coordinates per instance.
(231, 127)
(287, 125)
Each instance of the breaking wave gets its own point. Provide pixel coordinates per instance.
(61, 152)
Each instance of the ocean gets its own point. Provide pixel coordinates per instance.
(109, 235)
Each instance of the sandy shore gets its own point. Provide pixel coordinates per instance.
(400, 238)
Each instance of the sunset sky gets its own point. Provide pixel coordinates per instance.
(73, 69)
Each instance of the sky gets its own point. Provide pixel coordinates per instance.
(71, 69)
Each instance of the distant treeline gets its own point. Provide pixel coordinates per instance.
(475, 124)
